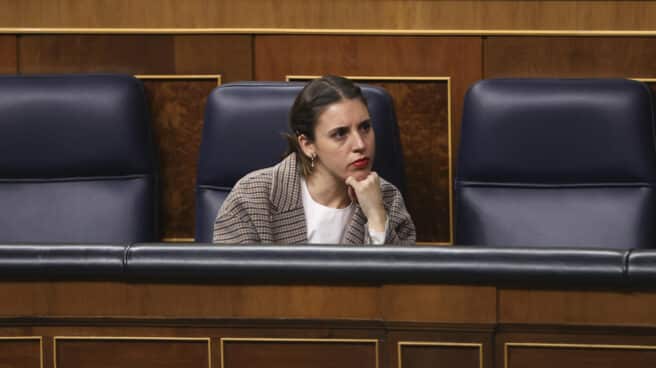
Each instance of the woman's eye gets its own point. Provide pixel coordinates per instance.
(365, 126)
(339, 133)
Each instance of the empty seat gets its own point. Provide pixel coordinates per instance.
(76, 160)
(550, 162)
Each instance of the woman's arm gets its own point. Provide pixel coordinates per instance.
(233, 224)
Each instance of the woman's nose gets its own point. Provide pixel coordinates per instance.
(358, 142)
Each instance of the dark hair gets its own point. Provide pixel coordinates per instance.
(309, 104)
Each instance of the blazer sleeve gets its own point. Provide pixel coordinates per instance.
(233, 224)
(401, 228)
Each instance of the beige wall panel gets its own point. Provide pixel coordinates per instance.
(330, 14)
(569, 57)
(8, 55)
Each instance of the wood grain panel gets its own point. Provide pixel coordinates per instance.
(440, 355)
(576, 307)
(567, 356)
(176, 108)
(130, 54)
(327, 14)
(80, 299)
(20, 352)
(422, 111)
(459, 58)
(98, 353)
(228, 55)
(439, 303)
(299, 354)
(8, 54)
(569, 57)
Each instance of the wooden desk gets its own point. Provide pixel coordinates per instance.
(67, 324)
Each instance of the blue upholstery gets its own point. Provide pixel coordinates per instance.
(244, 123)
(557, 162)
(76, 160)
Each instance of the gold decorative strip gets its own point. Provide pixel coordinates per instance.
(181, 76)
(291, 78)
(40, 338)
(132, 338)
(325, 31)
(570, 346)
(401, 344)
(178, 240)
(299, 340)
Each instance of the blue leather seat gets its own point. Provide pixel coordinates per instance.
(244, 123)
(551, 162)
(76, 160)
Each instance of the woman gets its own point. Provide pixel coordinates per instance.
(323, 191)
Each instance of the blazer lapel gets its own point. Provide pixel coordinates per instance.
(287, 215)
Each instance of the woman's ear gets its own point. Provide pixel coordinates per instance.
(306, 145)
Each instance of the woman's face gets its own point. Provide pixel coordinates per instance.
(344, 141)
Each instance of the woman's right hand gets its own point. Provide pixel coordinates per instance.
(369, 197)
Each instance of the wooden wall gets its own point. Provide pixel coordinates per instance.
(333, 14)
(425, 53)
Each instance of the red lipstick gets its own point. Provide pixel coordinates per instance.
(361, 163)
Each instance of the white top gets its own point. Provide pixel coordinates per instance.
(327, 225)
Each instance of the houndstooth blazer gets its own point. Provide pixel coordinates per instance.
(266, 206)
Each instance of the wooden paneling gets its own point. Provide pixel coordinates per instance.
(299, 354)
(176, 109)
(439, 303)
(20, 352)
(97, 53)
(8, 55)
(99, 353)
(567, 57)
(580, 355)
(576, 307)
(179, 300)
(228, 55)
(231, 56)
(277, 57)
(440, 355)
(327, 14)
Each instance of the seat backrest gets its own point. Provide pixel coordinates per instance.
(557, 162)
(76, 160)
(244, 123)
